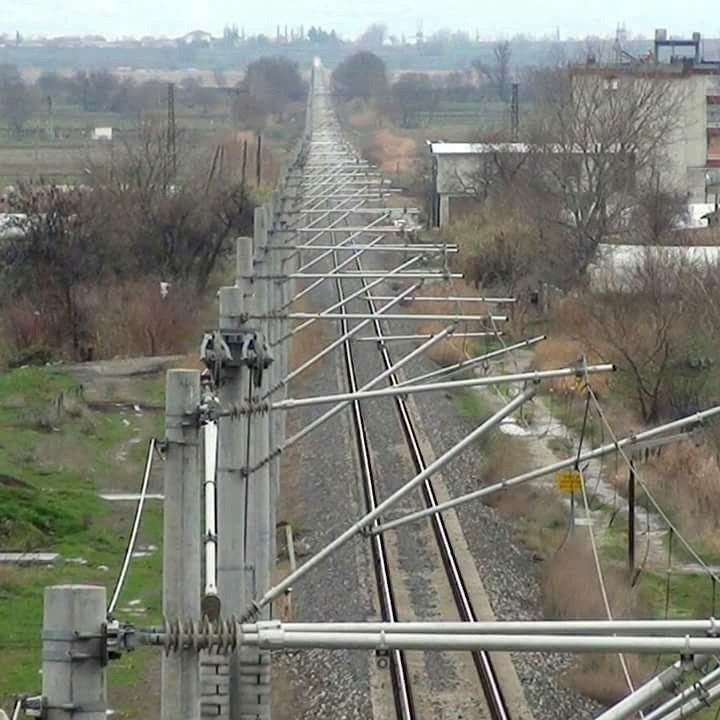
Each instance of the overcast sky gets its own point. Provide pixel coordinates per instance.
(114, 18)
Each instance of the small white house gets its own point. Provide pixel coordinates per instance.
(615, 266)
(102, 133)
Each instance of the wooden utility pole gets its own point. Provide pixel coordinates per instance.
(244, 163)
(172, 137)
(180, 683)
(515, 111)
(631, 520)
(258, 161)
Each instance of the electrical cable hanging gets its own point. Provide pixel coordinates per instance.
(569, 529)
(668, 578)
(601, 580)
(641, 568)
(668, 575)
(134, 528)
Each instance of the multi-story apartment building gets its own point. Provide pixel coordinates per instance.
(693, 152)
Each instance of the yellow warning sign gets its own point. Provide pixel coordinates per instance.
(569, 481)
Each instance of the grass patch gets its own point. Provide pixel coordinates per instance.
(471, 405)
(49, 483)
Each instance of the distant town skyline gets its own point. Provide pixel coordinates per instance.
(115, 19)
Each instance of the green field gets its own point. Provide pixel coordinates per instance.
(70, 156)
(51, 469)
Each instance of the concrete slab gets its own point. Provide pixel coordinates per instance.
(29, 558)
(130, 497)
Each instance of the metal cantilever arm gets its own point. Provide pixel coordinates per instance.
(471, 362)
(357, 293)
(548, 469)
(389, 502)
(336, 343)
(438, 337)
(527, 377)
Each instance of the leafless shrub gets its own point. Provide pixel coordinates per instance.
(656, 319)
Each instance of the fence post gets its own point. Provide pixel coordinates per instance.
(180, 686)
(73, 619)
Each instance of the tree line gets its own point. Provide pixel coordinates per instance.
(269, 86)
(364, 76)
(81, 267)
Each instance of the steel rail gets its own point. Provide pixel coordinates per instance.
(305, 291)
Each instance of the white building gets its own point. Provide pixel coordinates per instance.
(102, 133)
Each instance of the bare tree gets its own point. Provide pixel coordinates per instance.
(361, 75)
(412, 92)
(649, 317)
(273, 83)
(659, 211)
(166, 213)
(598, 142)
(499, 72)
(16, 101)
(61, 247)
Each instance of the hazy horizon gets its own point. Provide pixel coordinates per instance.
(114, 19)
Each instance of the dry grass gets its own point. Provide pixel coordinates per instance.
(307, 342)
(684, 477)
(538, 512)
(601, 677)
(562, 351)
(134, 319)
(571, 587)
(363, 117)
(571, 591)
(394, 153)
(127, 319)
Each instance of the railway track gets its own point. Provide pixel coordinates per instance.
(328, 137)
(483, 662)
(402, 691)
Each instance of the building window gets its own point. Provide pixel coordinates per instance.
(713, 111)
(713, 150)
(611, 84)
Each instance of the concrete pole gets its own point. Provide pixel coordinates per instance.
(255, 690)
(232, 457)
(73, 675)
(180, 686)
